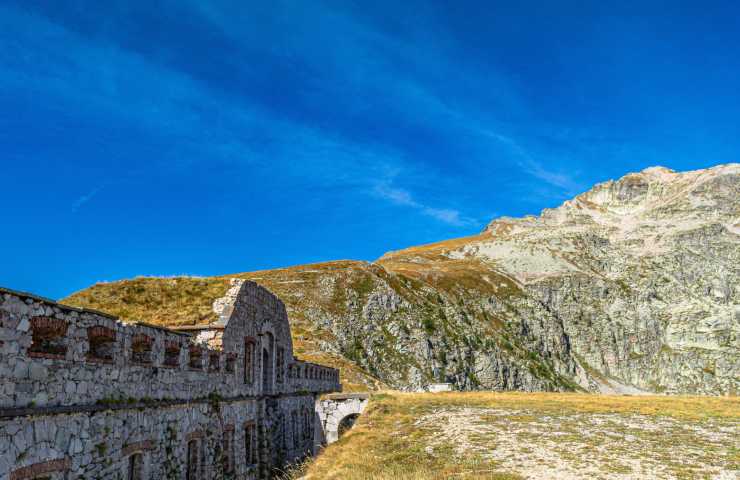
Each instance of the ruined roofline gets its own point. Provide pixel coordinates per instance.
(224, 307)
(198, 328)
(54, 303)
(92, 311)
(156, 327)
(216, 325)
(312, 364)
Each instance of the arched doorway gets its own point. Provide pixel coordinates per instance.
(346, 423)
(337, 413)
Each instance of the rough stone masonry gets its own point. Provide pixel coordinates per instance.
(85, 396)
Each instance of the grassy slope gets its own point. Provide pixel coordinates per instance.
(392, 441)
(317, 295)
(303, 289)
(331, 296)
(172, 301)
(182, 301)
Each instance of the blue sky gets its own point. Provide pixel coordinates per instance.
(211, 137)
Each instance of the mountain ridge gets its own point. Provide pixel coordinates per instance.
(631, 286)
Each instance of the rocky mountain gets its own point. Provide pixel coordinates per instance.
(632, 286)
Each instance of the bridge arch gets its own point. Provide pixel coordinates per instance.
(347, 423)
(337, 413)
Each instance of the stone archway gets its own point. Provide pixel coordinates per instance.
(346, 423)
(337, 413)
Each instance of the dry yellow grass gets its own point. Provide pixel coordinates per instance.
(299, 287)
(436, 247)
(184, 301)
(171, 302)
(411, 437)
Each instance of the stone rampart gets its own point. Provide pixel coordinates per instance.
(55, 355)
(84, 395)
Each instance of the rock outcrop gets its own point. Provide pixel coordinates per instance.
(630, 287)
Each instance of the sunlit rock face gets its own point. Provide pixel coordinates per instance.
(642, 274)
(629, 287)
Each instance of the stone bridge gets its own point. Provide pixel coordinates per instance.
(337, 413)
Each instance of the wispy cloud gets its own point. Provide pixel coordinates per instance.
(449, 216)
(561, 180)
(131, 88)
(402, 197)
(85, 198)
(567, 183)
(203, 121)
(178, 106)
(395, 195)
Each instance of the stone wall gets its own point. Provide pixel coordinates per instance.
(338, 411)
(77, 376)
(99, 445)
(83, 395)
(437, 387)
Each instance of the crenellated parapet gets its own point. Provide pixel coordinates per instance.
(306, 376)
(56, 355)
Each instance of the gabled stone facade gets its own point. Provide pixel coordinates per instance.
(85, 396)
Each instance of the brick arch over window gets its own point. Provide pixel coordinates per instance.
(195, 357)
(193, 459)
(135, 455)
(48, 337)
(40, 469)
(230, 363)
(280, 365)
(268, 359)
(102, 343)
(227, 446)
(136, 466)
(249, 359)
(171, 354)
(214, 362)
(141, 349)
(195, 456)
(251, 452)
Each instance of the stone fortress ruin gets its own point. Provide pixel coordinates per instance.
(85, 396)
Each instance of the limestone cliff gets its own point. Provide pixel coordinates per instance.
(632, 286)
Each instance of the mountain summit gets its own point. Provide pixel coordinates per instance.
(630, 287)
